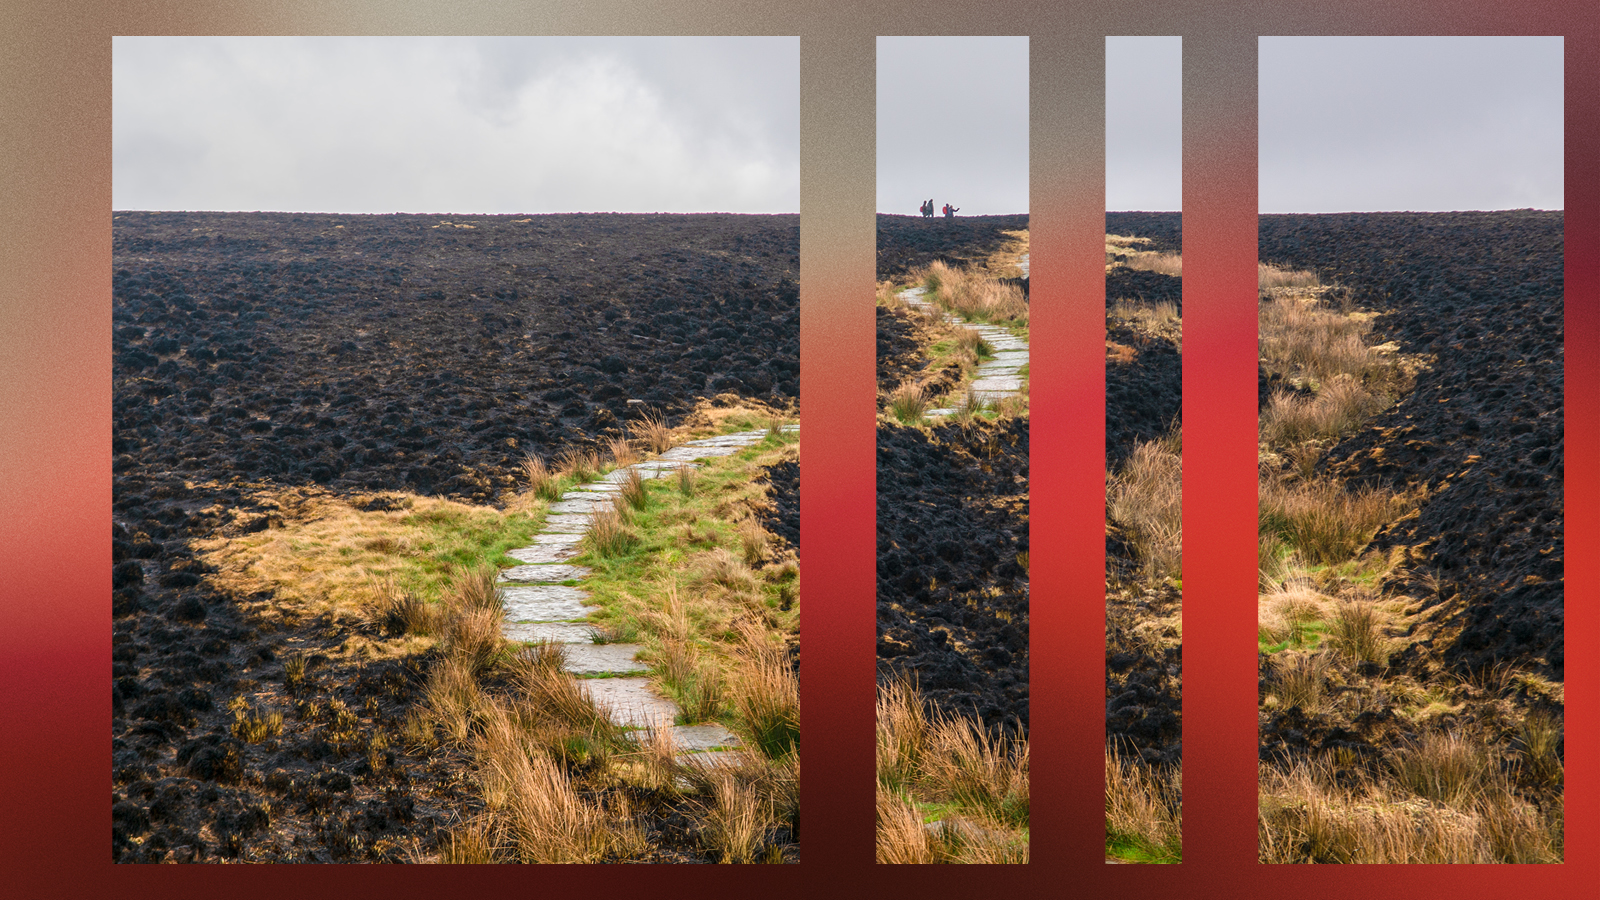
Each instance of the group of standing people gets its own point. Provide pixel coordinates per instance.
(949, 211)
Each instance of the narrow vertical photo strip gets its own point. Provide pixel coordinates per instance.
(1144, 449)
(1411, 625)
(456, 435)
(952, 443)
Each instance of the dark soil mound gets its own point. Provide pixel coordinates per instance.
(1164, 229)
(1150, 287)
(783, 490)
(1482, 293)
(952, 593)
(424, 353)
(906, 242)
(1144, 394)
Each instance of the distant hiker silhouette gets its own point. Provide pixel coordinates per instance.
(950, 211)
(927, 209)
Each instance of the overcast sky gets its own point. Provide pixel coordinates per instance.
(483, 125)
(1144, 123)
(1410, 123)
(953, 124)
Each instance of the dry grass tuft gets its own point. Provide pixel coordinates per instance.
(541, 480)
(622, 452)
(609, 535)
(767, 697)
(974, 295)
(1338, 409)
(582, 465)
(908, 403)
(1142, 806)
(1147, 261)
(737, 821)
(1324, 523)
(1272, 277)
(652, 431)
(1146, 498)
(1298, 679)
(632, 492)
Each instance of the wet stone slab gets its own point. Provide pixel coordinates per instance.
(545, 603)
(571, 523)
(556, 538)
(710, 736)
(999, 385)
(603, 659)
(557, 632)
(630, 702)
(685, 454)
(543, 554)
(648, 469)
(593, 487)
(544, 574)
(581, 504)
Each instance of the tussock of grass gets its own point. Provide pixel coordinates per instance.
(1145, 497)
(1324, 522)
(653, 432)
(908, 403)
(979, 780)
(1338, 409)
(1272, 277)
(542, 482)
(974, 295)
(1144, 817)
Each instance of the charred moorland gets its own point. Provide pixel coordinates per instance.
(294, 355)
(952, 517)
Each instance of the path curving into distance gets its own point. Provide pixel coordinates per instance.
(541, 607)
(995, 379)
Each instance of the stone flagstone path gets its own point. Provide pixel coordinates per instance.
(996, 378)
(543, 604)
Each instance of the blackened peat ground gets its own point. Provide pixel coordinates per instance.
(359, 354)
(952, 511)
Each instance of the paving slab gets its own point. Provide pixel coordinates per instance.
(580, 505)
(631, 703)
(685, 454)
(544, 554)
(1000, 385)
(572, 523)
(603, 659)
(557, 632)
(596, 487)
(647, 470)
(544, 574)
(546, 603)
(558, 538)
(694, 738)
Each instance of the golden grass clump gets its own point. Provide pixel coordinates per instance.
(1145, 497)
(974, 295)
(1142, 808)
(1338, 409)
(608, 534)
(622, 452)
(1324, 523)
(581, 464)
(1272, 277)
(1148, 261)
(541, 480)
(652, 431)
(908, 403)
(632, 492)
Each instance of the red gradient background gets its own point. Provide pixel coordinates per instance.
(55, 171)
